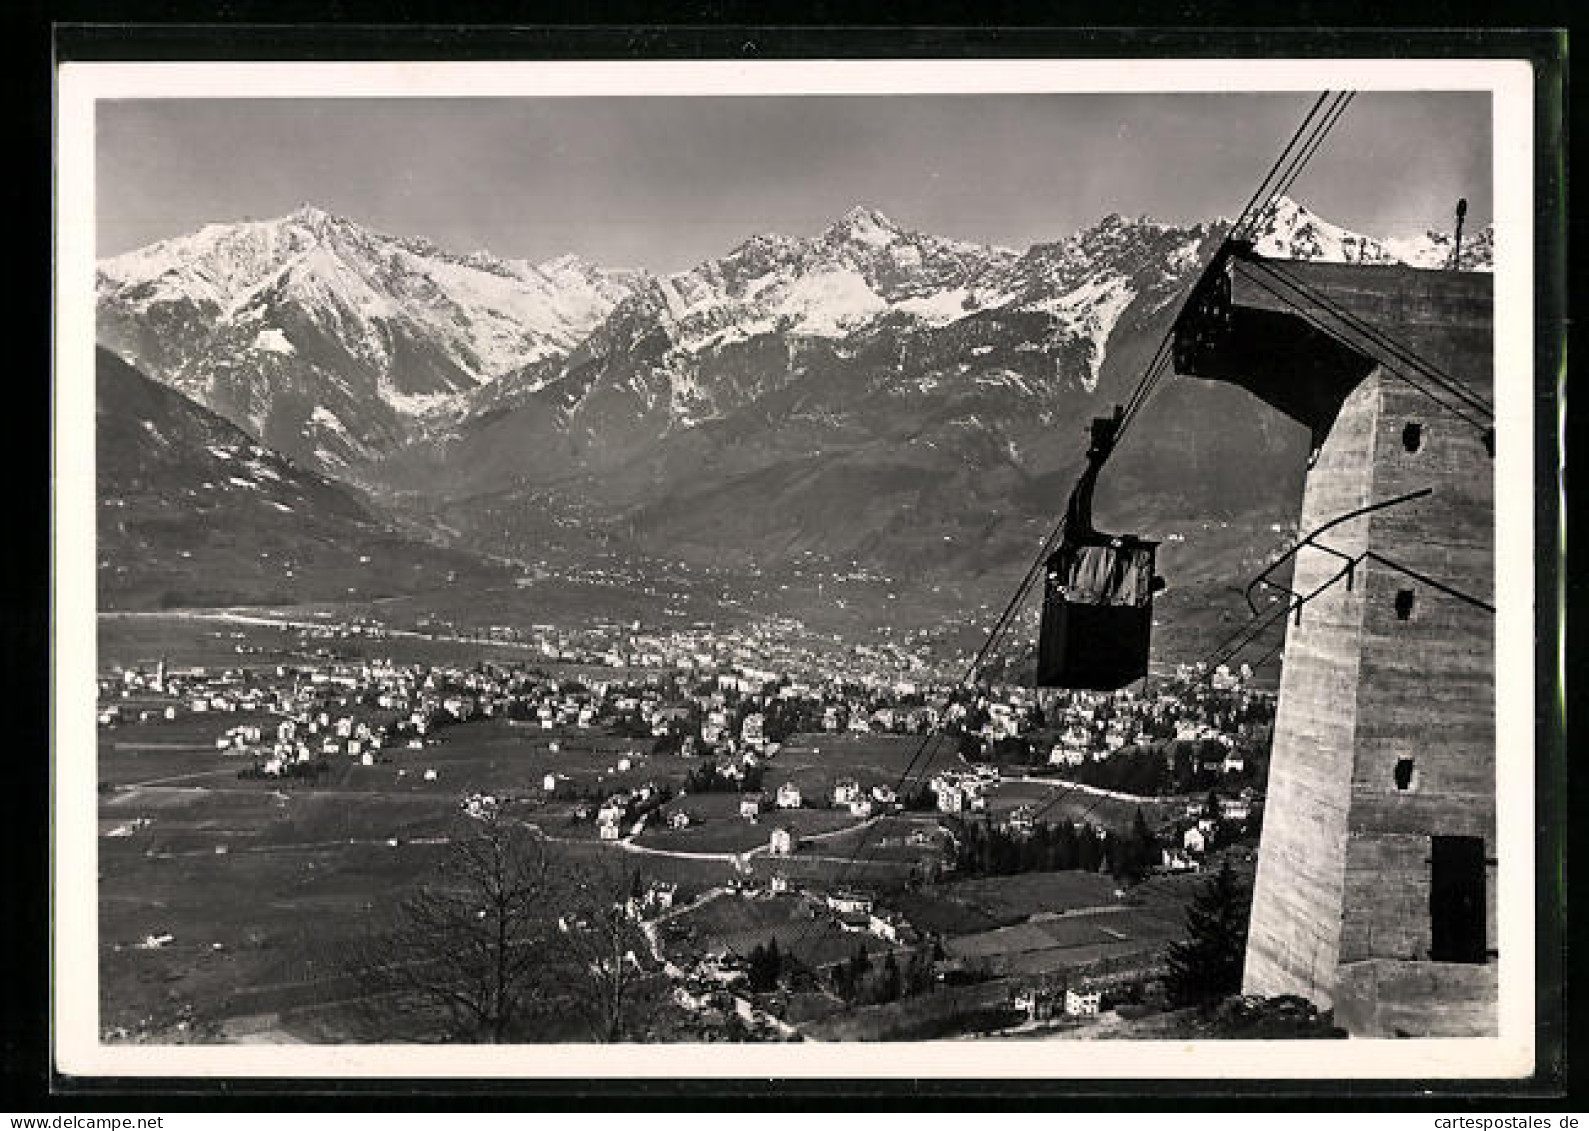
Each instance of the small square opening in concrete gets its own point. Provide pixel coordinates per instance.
(1412, 436)
(1405, 775)
(1404, 601)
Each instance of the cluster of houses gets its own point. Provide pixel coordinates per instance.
(1215, 708)
(1193, 836)
(856, 912)
(622, 811)
(846, 793)
(1044, 1003)
(962, 791)
(712, 690)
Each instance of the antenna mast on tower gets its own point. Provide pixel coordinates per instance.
(1456, 252)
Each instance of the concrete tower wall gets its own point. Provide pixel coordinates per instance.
(1293, 943)
(1379, 822)
(1426, 694)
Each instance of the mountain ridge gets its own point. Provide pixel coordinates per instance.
(338, 344)
(193, 511)
(869, 393)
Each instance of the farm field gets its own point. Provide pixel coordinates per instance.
(1060, 801)
(716, 825)
(814, 762)
(255, 637)
(263, 884)
(965, 906)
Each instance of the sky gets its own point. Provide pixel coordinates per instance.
(664, 183)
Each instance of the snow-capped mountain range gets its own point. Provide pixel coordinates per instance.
(339, 345)
(327, 340)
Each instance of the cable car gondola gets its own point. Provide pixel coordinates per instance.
(1098, 592)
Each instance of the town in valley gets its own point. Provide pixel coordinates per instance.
(752, 796)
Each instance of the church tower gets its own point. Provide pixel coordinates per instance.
(1375, 892)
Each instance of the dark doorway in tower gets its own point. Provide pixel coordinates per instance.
(1456, 899)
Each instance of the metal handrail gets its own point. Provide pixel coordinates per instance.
(1346, 570)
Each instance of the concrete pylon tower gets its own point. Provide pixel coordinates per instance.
(1375, 887)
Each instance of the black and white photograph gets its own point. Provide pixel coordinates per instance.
(560, 566)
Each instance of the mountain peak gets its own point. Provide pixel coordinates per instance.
(312, 216)
(863, 224)
(568, 262)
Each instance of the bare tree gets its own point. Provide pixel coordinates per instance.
(607, 951)
(466, 945)
(506, 929)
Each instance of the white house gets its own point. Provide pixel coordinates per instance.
(1194, 841)
(789, 796)
(782, 842)
(845, 791)
(613, 809)
(750, 805)
(1022, 819)
(1234, 809)
(850, 902)
(1081, 1005)
(885, 926)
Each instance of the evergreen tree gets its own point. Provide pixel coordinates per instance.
(1135, 854)
(860, 964)
(766, 964)
(1208, 963)
(888, 988)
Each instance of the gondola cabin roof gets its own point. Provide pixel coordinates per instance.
(1300, 335)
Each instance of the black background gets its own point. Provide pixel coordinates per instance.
(40, 34)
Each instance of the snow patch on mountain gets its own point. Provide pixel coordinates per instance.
(325, 418)
(272, 340)
(1090, 313)
(831, 303)
(938, 309)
